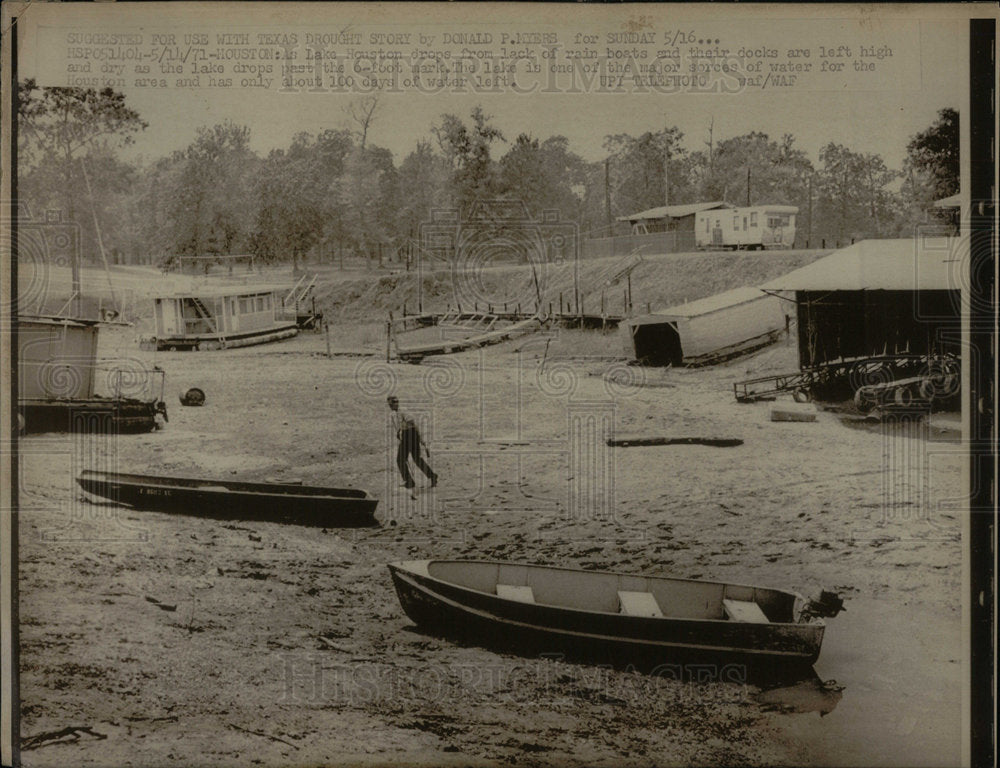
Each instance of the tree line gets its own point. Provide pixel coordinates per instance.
(335, 192)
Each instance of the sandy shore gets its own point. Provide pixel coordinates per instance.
(169, 640)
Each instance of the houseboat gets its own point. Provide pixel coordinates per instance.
(220, 317)
(63, 386)
(706, 331)
(750, 228)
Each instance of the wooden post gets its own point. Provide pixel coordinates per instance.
(326, 330)
(388, 336)
(630, 291)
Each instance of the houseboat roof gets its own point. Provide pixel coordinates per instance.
(77, 322)
(701, 307)
(906, 264)
(217, 291)
(953, 201)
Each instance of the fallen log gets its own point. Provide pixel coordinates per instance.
(719, 442)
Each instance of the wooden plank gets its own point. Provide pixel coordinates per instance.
(520, 594)
(745, 611)
(793, 412)
(639, 604)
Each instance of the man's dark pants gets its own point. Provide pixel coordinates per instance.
(409, 445)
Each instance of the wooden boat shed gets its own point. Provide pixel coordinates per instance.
(707, 330)
(63, 386)
(57, 357)
(878, 298)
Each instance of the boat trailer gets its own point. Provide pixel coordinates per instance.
(885, 381)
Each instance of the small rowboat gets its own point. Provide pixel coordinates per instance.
(234, 500)
(624, 618)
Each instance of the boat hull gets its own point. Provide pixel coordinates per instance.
(414, 354)
(230, 500)
(88, 415)
(645, 642)
(212, 341)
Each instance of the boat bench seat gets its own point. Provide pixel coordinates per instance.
(639, 604)
(520, 594)
(743, 610)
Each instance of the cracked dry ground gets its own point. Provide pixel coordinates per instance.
(152, 639)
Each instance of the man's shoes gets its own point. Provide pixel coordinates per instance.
(434, 480)
(410, 484)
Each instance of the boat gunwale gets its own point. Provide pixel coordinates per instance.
(398, 566)
(736, 650)
(215, 486)
(462, 344)
(220, 336)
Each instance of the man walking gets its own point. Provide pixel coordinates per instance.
(409, 445)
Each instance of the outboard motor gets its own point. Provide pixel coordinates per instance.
(826, 606)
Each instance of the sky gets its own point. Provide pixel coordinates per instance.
(927, 73)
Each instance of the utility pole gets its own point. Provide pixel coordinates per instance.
(809, 231)
(748, 186)
(666, 163)
(607, 192)
(711, 152)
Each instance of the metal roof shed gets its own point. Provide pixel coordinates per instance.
(707, 330)
(878, 297)
(666, 218)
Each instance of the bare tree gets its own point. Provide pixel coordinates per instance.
(361, 113)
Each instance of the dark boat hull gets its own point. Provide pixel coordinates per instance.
(230, 500)
(88, 415)
(644, 642)
(213, 341)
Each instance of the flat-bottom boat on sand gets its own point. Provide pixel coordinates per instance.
(616, 618)
(236, 500)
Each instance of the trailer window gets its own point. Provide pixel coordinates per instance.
(777, 220)
(753, 219)
(744, 223)
(708, 223)
(736, 222)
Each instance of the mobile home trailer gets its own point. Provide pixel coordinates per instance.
(751, 228)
